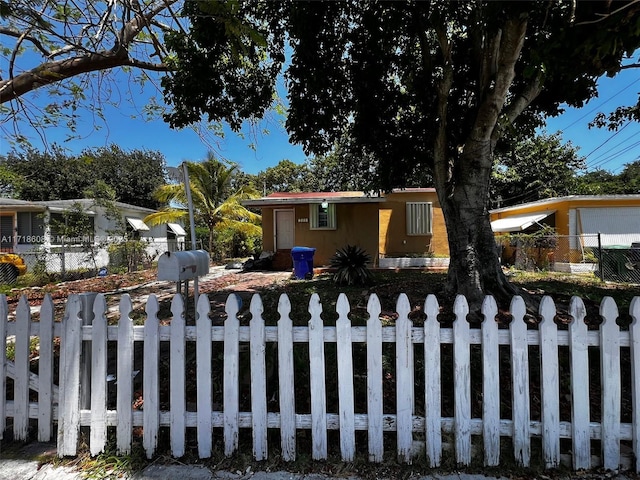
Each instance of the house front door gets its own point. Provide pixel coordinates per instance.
(284, 229)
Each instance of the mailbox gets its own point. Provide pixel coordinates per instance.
(181, 266)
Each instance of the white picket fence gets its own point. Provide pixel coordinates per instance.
(61, 406)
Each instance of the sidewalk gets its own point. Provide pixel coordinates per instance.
(24, 463)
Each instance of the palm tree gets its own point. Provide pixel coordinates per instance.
(215, 203)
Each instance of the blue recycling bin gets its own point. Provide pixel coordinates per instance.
(302, 262)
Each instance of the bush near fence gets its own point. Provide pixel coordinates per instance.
(527, 393)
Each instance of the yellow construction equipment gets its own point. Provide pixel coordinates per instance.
(11, 266)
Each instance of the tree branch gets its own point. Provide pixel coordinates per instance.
(607, 15)
(14, 33)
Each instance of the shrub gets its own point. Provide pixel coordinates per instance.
(351, 264)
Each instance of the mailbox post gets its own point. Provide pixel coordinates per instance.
(182, 267)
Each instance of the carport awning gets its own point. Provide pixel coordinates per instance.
(517, 223)
(137, 224)
(177, 229)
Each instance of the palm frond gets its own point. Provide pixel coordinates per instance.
(169, 215)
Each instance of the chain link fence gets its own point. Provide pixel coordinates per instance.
(82, 261)
(609, 257)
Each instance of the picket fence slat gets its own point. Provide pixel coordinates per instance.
(477, 357)
(150, 380)
(231, 375)
(69, 414)
(45, 373)
(98, 433)
(404, 380)
(375, 439)
(610, 374)
(258, 380)
(520, 402)
(490, 383)
(346, 406)
(634, 329)
(204, 351)
(581, 444)
(549, 383)
(177, 354)
(4, 314)
(22, 352)
(432, 390)
(462, 381)
(286, 382)
(317, 381)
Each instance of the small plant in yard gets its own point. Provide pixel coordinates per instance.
(351, 264)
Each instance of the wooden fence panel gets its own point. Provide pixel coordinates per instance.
(490, 383)
(204, 399)
(345, 380)
(231, 375)
(610, 375)
(286, 381)
(177, 356)
(317, 380)
(609, 341)
(98, 433)
(374, 381)
(520, 403)
(150, 380)
(45, 370)
(579, 350)
(432, 382)
(258, 380)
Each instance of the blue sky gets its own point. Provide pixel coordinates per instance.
(603, 149)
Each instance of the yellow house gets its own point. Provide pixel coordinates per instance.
(582, 222)
(406, 225)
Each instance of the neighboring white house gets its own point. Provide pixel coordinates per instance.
(30, 229)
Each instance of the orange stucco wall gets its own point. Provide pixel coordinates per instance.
(377, 227)
(393, 230)
(562, 207)
(356, 224)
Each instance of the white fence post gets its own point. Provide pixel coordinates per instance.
(579, 349)
(98, 402)
(4, 318)
(404, 380)
(433, 388)
(610, 375)
(69, 395)
(374, 381)
(462, 381)
(549, 383)
(124, 374)
(231, 375)
(317, 380)
(634, 331)
(45, 371)
(286, 383)
(520, 403)
(21, 386)
(204, 398)
(345, 380)
(490, 383)
(150, 381)
(258, 379)
(177, 356)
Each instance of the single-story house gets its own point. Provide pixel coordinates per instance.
(582, 223)
(31, 229)
(400, 228)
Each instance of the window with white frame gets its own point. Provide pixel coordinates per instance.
(419, 218)
(323, 216)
